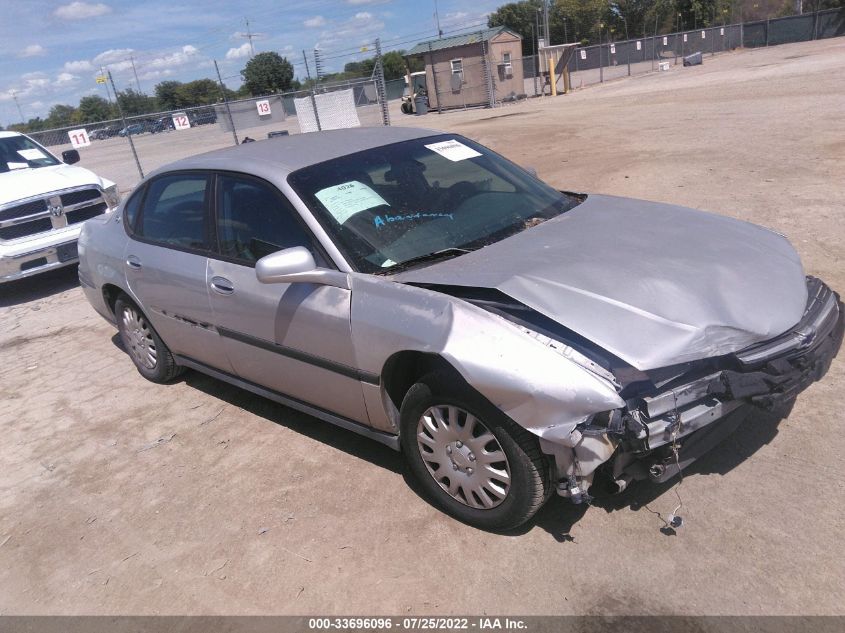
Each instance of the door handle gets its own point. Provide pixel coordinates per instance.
(133, 262)
(222, 285)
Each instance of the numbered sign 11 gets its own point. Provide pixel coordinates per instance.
(665, 41)
(583, 54)
(639, 45)
(79, 138)
(181, 121)
(612, 49)
(263, 107)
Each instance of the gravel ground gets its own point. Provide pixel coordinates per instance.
(118, 496)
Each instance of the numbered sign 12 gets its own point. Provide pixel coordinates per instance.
(639, 45)
(583, 54)
(263, 107)
(612, 49)
(79, 138)
(181, 121)
(665, 41)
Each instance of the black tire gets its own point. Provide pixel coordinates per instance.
(530, 481)
(132, 324)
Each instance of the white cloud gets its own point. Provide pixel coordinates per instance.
(81, 10)
(65, 78)
(113, 55)
(317, 20)
(33, 50)
(81, 66)
(363, 15)
(184, 56)
(366, 1)
(239, 52)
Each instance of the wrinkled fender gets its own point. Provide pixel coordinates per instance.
(535, 386)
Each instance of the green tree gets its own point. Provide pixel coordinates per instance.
(168, 95)
(134, 103)
(519, 17)
(200, 92)
(61, 116)
(93, 108)
(267, 73)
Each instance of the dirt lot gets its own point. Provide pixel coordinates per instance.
(119, 496)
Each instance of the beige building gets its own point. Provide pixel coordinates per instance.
(473, 69)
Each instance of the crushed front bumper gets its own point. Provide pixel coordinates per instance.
(694, 416)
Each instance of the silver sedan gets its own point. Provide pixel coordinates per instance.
(510, 339)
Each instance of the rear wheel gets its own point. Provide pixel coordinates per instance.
(148, 352)
(471, 460)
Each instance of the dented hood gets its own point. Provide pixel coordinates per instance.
(654, 284)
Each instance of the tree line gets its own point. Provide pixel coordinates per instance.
(585, 21)
(266, 73)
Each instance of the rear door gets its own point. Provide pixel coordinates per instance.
(166, 262)
(294, 339)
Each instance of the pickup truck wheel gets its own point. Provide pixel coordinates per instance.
(471, 459)
(148, 352)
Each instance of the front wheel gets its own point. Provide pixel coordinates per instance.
(471, 460)
(148, 352)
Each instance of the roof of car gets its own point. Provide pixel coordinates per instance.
(289, 153)
(8, 133)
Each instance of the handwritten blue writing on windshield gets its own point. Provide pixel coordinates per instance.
(381, 221)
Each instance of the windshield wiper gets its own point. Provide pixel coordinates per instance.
(446, 253)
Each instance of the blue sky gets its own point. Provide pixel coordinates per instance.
(50, 51)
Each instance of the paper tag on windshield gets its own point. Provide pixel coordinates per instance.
(31, 154)
(453, 150)
(345, 200)
(17, 166)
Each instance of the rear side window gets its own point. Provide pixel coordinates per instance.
(131, 208)
(174, 212)
(254, 219)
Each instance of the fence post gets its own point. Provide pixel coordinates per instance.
(313, 100)
(123, 118)
(226, 101)
(381, 89)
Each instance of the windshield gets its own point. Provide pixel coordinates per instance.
(385, 206)
(19, 152)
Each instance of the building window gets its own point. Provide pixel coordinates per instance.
(506, 59)
(458, 67)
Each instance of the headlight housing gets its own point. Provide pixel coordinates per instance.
(112, 197)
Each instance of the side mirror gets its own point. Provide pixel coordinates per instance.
(531, 171)
(297, 265)
(70, 156)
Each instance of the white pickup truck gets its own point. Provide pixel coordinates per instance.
(43, 203)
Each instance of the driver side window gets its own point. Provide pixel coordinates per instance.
(254, 219)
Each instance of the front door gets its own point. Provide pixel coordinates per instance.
(294, 339)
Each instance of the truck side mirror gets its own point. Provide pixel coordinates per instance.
(70, 156)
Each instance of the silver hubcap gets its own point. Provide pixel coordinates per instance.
(139, 338)
(463, 456)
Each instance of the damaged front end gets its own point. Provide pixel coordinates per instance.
(674, 415)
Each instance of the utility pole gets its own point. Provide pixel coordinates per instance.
(249, 36)
(125, 125)
(20, 112)
(137, 83)
(437, 21)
